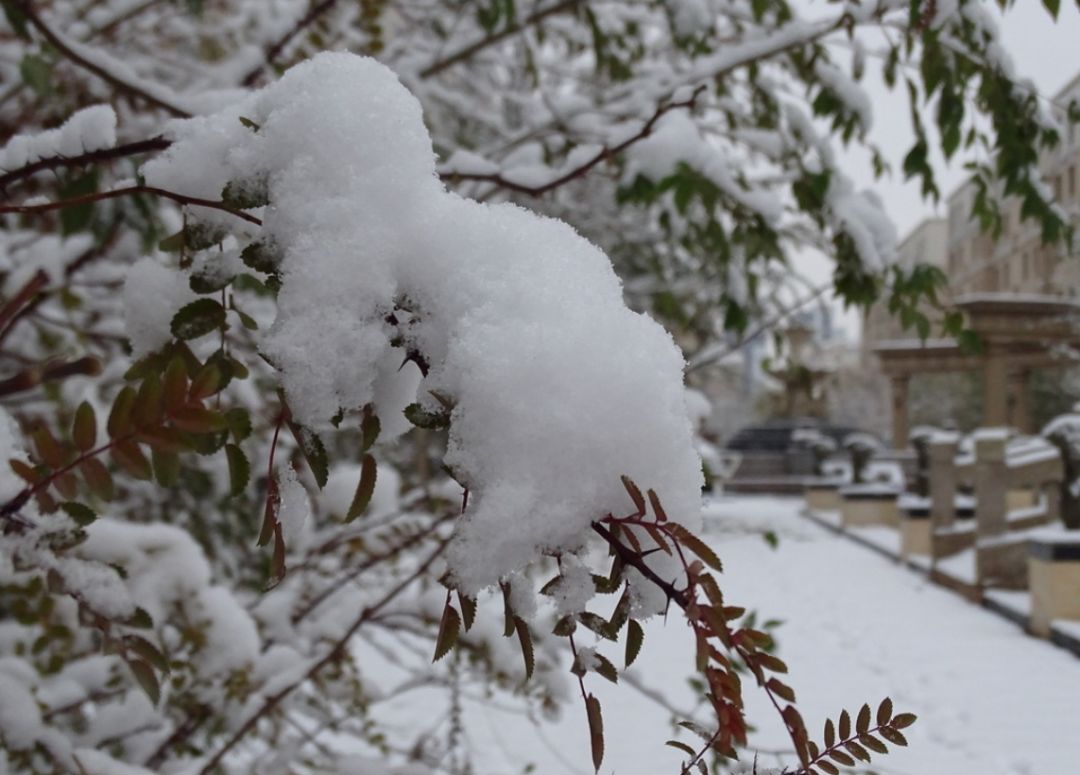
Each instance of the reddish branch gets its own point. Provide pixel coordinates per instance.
(128, 191)
(82, 160)
(602, 155)
(26, 8)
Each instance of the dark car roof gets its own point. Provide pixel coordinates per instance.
(775, 435)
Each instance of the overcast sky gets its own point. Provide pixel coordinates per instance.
(1046, 52)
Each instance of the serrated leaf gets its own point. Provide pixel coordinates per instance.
(148, 651)
(369, 430)
(449, 628)
(365, 488)
(84, 427)
(98, 478)
(83, 515)
(696, 545)
(862, 723)
(24, 471)
(206, 382)
(841, 757)
(239, 469)
(147, 679)
(845, 725)
(48, 450)
(903, 720)
(781, 689)
(894, 736)
(314, 452)
(635, 493)
(146, 410)
(468, 610)
(830, 733)
(422, 418)
(197, 319)
(130, 457)
(119, 422)
(166, 466)
(605, 668)
(658, 510)
(525, 639)
(828, 767)
(596, 730)
(682, 747)
(141, 619)
(857, 751)
(239, 421)
(884, 712)
(174, 385)
(198, 419)
(873, 743)
(635, 636)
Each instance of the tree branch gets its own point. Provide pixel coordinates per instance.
(275, 48)
(468, 51)
(66, 48)
(128, 191)
(82, 160)
(602, 155)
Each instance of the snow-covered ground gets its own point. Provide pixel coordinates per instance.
(856, 628)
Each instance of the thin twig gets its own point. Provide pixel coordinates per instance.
(82, 160)
(128, 191)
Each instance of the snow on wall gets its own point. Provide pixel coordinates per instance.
(558, 388)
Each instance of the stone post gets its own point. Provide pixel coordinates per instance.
(941, 450)
(993, 562)
(900, 412)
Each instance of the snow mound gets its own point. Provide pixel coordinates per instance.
(557, 387)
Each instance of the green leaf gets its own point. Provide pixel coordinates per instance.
(249, 124)
(198, 318)
(314, 452)
(83, 515)
(36, 72)
(166, 467)
(364, 489)
(1053, 6)
(17, 19)
(468, 610)
(449, 628)
(147, 679)
(239, 421)
(79, 217)
(84, 427)
(148, 651)
(174, 243)
(239, 469)
(246, 194)
(422, 418)
(141, 619)
(369, 429)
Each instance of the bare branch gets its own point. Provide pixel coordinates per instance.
(65, 48)
(85, 159)
(129, 191)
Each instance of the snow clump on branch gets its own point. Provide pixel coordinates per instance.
(555, 387)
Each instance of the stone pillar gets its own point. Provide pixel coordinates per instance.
(942, 453)
(1019, 403)
(900, 412)
(995, 395)
(991, 481)
(993, 562)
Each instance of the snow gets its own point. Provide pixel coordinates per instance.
(522, 321)
(20, 719)
(854, 628)
(153, 293)
(89, 129)
(295, 505)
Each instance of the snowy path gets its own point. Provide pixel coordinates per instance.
(990, 700)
